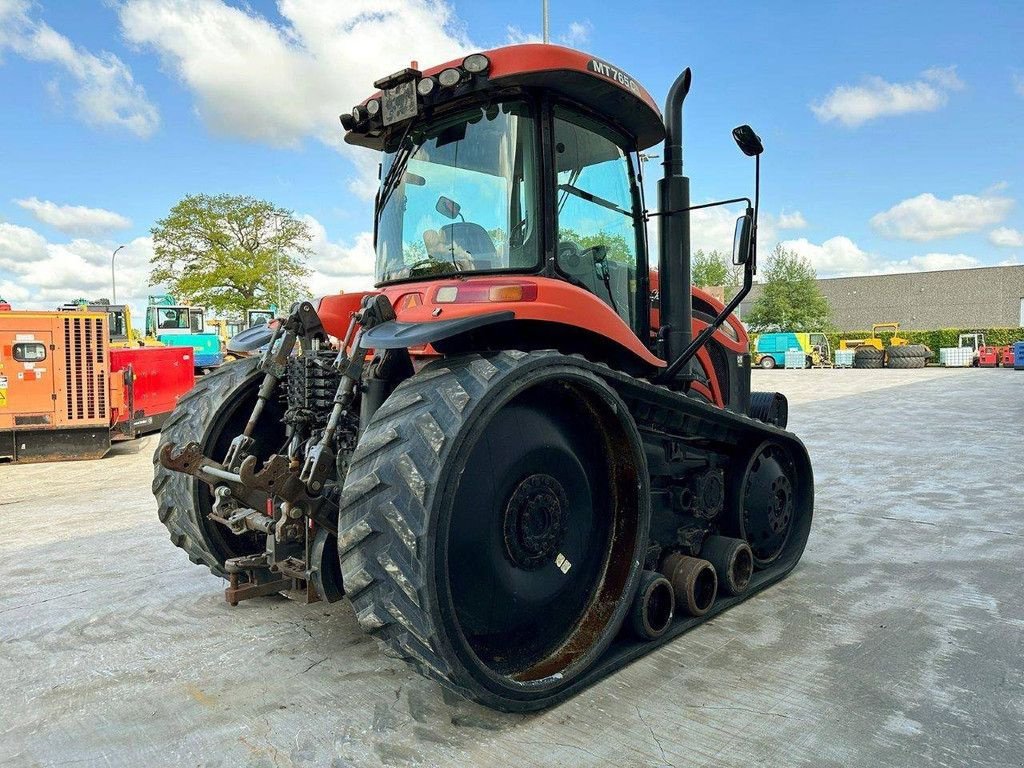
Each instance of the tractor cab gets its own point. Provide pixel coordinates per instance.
(496, 181)
(179, 325)
(119, 317)
(513, 178)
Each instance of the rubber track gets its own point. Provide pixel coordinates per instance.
(174, 491)
(383, 515)
(398, 462)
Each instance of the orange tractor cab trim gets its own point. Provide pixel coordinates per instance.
(528, 457)
(582, 78)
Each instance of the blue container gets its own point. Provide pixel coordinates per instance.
(1018, 356)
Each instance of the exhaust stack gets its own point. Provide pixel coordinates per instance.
(674, 228)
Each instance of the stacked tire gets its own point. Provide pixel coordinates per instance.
(909, 356)
(867, 356)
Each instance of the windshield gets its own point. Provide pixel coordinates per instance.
(118, 329)
(465, 199)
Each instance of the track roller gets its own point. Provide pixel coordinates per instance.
(694, 581)
(733, 562)
(653, 607)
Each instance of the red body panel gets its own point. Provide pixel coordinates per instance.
(556, 302)
(988, 357)
(1006, 356)
(160, 377)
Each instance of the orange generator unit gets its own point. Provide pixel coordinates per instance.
(63, 395)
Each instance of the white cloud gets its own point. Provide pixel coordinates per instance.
(1005, 237)
(932, 261)
(106, 93)
(837, 255)
(576, 35)
(927, 217)
(38, 274)
(282, 82)
(840, 257)
(793, 220)
(74, 219)
(336, 266)
(854, 105)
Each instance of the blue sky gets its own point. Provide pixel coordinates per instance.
(891, 129)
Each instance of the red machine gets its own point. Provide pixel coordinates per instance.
(152, 381)
(579, 473)
(1006, 356)
(988, 357)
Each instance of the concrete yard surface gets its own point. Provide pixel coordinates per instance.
(897, 641)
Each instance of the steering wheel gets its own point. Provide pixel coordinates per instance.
(570, 254)
(450, 266)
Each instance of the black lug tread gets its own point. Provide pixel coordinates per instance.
(174, 490)
(383, 510)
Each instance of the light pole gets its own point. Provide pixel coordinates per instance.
(544, 16)
(113, 279)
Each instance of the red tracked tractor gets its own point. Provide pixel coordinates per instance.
(527, 458)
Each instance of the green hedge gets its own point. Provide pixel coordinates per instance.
(935, 340)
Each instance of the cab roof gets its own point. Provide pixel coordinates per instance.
(592, 82)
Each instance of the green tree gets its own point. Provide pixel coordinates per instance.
(709, 269)
(790, 299)
(230, 252)
(715, 268)
(618, 248)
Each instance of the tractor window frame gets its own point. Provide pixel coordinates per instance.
(538, 116)
(600, 125)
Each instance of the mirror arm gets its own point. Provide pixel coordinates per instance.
(748, 280)
(648, 215)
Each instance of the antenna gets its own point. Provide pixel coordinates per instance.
(544, 15)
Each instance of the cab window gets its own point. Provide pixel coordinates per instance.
(29, 352)
(596, 224)
(118, 328)
(171, 318)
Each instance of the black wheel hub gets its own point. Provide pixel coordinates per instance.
(535, 522)
(780, 504)
(768, 503)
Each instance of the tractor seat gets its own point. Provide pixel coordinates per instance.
(473, 239)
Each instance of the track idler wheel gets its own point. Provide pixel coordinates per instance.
(653, 607)
(694, 581)
(767, 502)
(733, 562)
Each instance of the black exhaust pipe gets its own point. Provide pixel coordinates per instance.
(674, 229)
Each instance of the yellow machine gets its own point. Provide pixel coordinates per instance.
(875, 340)
(122, 334)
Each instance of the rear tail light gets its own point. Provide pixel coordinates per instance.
(479, 292)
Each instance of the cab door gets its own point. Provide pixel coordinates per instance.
(26, 379)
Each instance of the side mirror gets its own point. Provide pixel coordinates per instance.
(741, 241)
(748, 141)
(447, 207)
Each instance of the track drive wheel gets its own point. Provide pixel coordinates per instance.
(493, 524)
(212, 414)
(767, 502)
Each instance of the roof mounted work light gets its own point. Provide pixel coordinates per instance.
(449, 77)
(476, 63)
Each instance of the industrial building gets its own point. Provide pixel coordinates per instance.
(983, 297)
